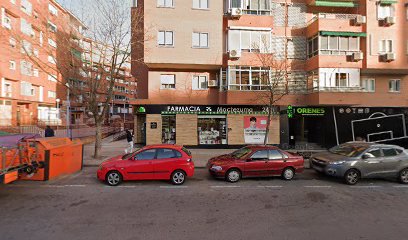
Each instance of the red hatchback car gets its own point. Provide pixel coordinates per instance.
(256, 161)
(156, 162)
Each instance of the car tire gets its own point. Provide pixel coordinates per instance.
(178, 177)
(233, 175)
(352, 176)
(288, 174)
(113, 178)
(403, 176)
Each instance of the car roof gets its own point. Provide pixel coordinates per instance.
(172, 146)
(260, 147)
(372, 144)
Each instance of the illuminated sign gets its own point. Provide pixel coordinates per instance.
(305, 111)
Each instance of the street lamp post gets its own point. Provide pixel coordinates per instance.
(69, 135)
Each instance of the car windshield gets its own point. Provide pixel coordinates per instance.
(348, 150)
(241, 152)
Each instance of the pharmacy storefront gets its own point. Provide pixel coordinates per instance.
(205, 125)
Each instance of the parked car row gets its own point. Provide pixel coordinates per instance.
(350, 161)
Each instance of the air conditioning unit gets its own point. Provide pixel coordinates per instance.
(235, 12)
(389, 57)
(359, 20)
(357, 56)
(234, 54)
(212, 83)
(389, 20)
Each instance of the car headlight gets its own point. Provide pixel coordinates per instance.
(338, 163)
(216, 168)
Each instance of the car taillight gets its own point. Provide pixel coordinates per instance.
(189, 160)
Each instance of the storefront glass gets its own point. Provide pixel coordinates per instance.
(169, 129)
(212, 130)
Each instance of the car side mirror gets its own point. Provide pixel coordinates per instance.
(367, 156)
(249, 159)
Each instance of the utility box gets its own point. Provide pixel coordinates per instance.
(58, 156)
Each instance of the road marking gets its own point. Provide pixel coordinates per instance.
(225, 186)
(173, 187)
(270, 186)
(317, 186)
(365, 186)
(400, 186)
(125, 186)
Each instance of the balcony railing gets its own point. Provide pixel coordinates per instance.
(338, 89)
(333, 16)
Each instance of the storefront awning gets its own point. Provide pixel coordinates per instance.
(345, 34)
(386, 2)
(326, 3)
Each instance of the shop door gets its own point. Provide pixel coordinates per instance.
(169, 129)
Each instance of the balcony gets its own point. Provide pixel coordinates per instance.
(327, 60)
(335, 23)
(333, 3)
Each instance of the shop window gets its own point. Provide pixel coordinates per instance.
(169, 129)
(212, 130)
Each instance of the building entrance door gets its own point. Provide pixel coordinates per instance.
(169, 129)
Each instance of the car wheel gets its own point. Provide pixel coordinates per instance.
(288, 174)
(403, 176)
(113, 178)
(352, 176)
(178, 177)
(233, 175)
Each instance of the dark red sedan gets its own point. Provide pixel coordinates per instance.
(256, 161)
(155, 162)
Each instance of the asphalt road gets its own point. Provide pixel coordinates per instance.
(310, 207)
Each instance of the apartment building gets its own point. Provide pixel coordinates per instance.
(346, 63)
(98, 54)
(30, 82)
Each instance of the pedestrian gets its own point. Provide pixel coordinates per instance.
(129, 137)
(49, 132)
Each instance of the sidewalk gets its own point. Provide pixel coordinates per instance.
(111, 149)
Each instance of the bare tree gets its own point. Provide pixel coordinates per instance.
(89, 69)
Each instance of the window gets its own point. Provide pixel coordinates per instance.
(27, 89)
(368, 85)
(249, 41)
(200, 40)
(52, 78)
(394, 85)
(275, 155)
(146, 155)
(200, 82)
(8, 90)
(52, 94)
(36, 53)
(26, 68)
(165, 3)
(373, 153)
(260, 155)
(53, 10)
(385, 46)
(12, 65)
(165, 38)
(333, 45)
(26, 28)
(167, 153)
(26, 47)
(200, 4)
(389, 152)
(342, 79)
(36, 73)
(51, 60)
(6, 21)
(168, 81)
(52, 43)
(12, 42)
(52, 27)
(26, 7)
(384, 11)
(13, 1)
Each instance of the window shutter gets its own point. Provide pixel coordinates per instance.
(169, 38)
(196, 39)
(204, 40)
(195, 83)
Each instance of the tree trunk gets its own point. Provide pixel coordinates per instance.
(98, 138)
(268, 123)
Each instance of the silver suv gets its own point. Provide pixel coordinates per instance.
(355, 160)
